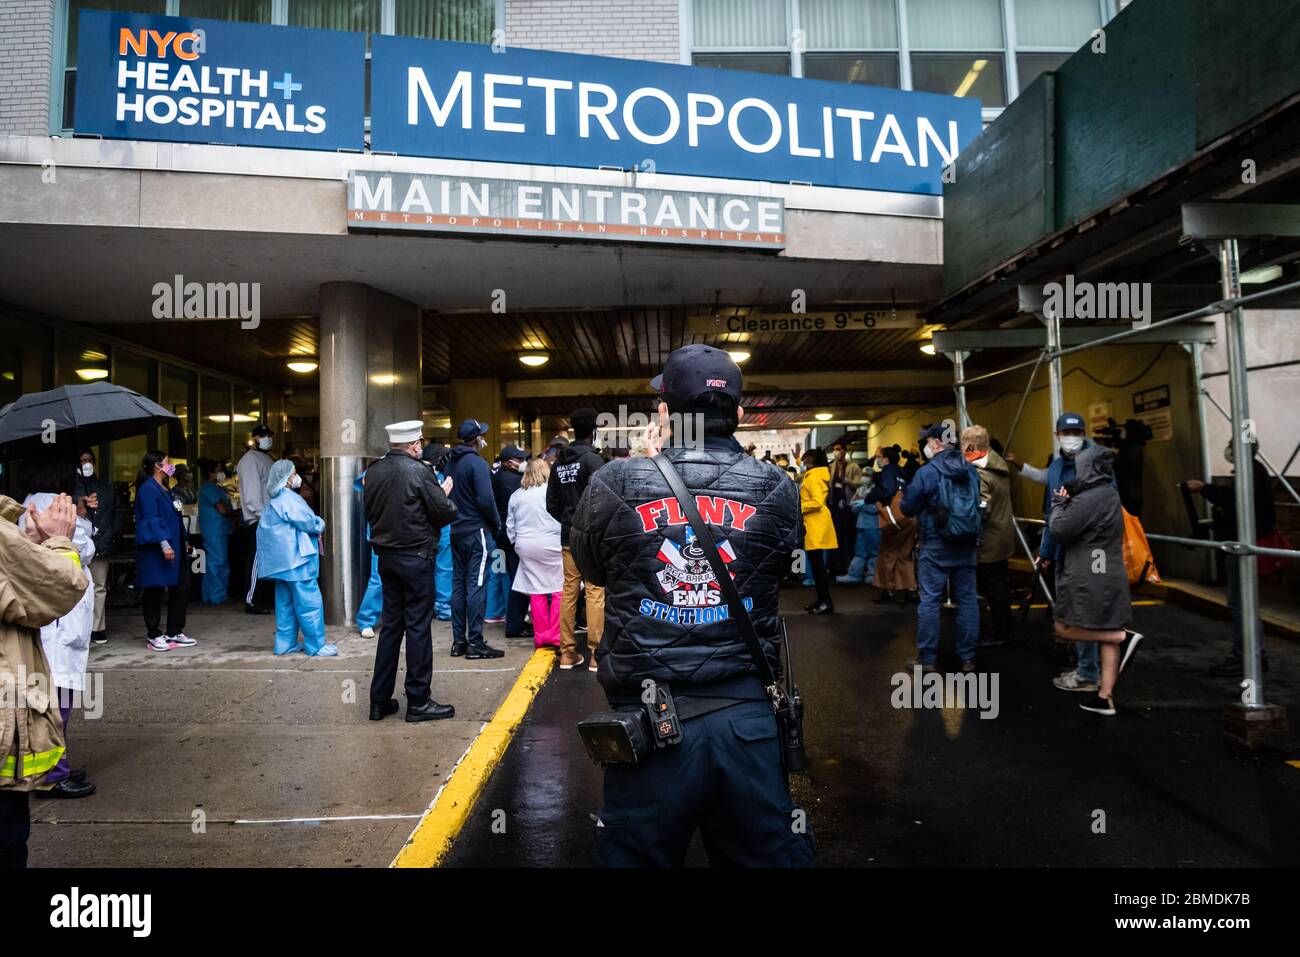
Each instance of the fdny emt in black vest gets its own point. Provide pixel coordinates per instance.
(666, 621)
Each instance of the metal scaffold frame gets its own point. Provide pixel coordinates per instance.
(1220, 226)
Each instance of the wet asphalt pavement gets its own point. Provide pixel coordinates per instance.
(944, 787)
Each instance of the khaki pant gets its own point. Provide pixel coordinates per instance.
(99, 574)
(569, 609)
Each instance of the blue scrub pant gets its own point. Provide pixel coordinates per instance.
(725, 778)
(470, 557)
(865, 548)
(216, 579)
(931, 577)
(372, 603)
(498, 590)
(442, 578)
(298, 605)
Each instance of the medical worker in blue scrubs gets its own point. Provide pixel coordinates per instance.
(372, 603)
(216, 522)
(288, 551)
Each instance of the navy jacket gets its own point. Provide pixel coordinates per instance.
(157, 520)
(921, 497)
(471, 493)
(1060, 471)
(888, 482)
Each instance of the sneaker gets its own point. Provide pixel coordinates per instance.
(367, 632)
(1071, 681)
(580, 628)
(181, 639)
(847, 580)
(927, 667)
(493, 621)
(1128, 646)
(159, 644)
(591, 663)
(570, 661)
(1099, 705)
(99, 637)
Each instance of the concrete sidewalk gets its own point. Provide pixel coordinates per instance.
(214, 755)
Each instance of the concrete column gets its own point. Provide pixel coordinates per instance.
(369, 376)
(485, 400)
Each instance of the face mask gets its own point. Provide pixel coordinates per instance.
(930, 452)
(295, 481)
(264, 442)
(221, 476)
(168, 468)
(482, 442)
(1071, 443)
(87, 469)
(977, 458)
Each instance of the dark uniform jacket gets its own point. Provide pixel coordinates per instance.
(570, 473)
(505, 482)
(665, 617)
(1092, 585)
(405, 506)
(105, 518)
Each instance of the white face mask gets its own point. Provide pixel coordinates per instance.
(1071, 443)
(295, 481)
(482, 442)
(221, 476)
(264, 442)
(87, 469)
(930, 451)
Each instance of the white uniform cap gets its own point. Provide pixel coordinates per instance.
(402, 432)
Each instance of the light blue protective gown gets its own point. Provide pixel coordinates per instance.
(287, 551)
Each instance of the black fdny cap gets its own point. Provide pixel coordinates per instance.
(694, 370)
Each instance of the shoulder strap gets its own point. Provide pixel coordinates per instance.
(704, 536)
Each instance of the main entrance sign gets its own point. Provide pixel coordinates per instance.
(431, 203)
(463, 101)
(210, 81)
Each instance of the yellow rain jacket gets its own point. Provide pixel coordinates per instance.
(38, 583)
(818, 528)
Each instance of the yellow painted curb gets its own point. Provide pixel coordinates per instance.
(433, 836)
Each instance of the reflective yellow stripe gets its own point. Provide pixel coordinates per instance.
(7, 769)
(41, 761)
(76, 558)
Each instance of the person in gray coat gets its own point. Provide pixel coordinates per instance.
(1092, 595)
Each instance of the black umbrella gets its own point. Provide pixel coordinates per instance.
(73, 417)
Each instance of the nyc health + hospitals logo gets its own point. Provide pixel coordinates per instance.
(211, 81)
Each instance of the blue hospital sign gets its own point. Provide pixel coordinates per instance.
(209, 81)
(463, 101)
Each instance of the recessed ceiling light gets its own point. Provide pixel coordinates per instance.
(738, 355)
(90, 375)
(302, 366)
(927, 346)
(823, 416)
(534, 358)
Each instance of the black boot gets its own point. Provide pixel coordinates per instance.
(68, 789)
(378, 712)
(429, 711)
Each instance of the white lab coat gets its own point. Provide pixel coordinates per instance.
(536, 537)
(66, 640)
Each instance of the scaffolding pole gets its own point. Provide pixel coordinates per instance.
(1197, 350)
(1243, 485)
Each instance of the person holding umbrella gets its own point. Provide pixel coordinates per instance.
(288, 551)
(161, 554)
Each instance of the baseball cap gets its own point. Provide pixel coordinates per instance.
(1070, 420)
(260, 430)
(513, 452)
(935, 431)
(694, 370)
(471, 429)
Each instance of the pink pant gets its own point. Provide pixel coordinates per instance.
(545, 609)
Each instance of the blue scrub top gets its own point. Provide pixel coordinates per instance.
(287, 538)
(212, 522)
